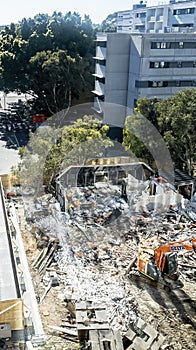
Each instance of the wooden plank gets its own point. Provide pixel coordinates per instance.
(12, 312)
(63, 330)
(92, 326)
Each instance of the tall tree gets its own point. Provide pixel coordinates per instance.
(52, 149)
(49, 57)
(175, 120)
(177, 123)
(137, 134)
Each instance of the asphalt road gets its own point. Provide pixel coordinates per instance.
(10, 141)
(8, 288)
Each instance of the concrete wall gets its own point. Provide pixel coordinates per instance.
(166, 55)
(127, 71)
(134, 68)
(117, 68)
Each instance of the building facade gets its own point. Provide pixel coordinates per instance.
(176, 16)
(130, 66)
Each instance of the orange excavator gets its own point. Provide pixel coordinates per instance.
(161, 262)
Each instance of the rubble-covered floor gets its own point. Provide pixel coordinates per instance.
(97, 240)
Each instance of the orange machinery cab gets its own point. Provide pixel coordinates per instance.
(146, 264)
(162, 260)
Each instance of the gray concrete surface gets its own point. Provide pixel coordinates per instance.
(8, 158)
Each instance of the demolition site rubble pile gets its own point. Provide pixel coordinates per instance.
(93, 246)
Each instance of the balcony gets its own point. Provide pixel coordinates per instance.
(151, 19)
(99, 71)
(99, 89)
(100, 53)
(98, 106)
(101, 37)
(140, 20)
(159, 18)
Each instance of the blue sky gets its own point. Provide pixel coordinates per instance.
(15, 10)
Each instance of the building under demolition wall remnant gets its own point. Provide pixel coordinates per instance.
(90, 175)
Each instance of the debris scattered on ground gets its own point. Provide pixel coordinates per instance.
(86, 253)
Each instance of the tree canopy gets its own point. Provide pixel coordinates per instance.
(49, 57)
(177, 124)
(175, 120)
(109, 24)
(51, 149)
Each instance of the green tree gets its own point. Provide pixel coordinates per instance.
(52, 149)
(177, 123)
(175, 120)
(56, 73)
(137, 134)
(49, 57)
(109, 24)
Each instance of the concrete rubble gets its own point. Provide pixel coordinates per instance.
(91, 244)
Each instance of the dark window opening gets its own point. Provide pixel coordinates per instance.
(181, 44)
(161, 64)
(184, 11)
(101, 80)
(102, 43)
(160, 45)
(159, 83)
(101, 62)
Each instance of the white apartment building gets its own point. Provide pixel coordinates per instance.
(130, 66)
(175, 16)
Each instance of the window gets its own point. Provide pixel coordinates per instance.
(101, 80)
(191, 10)
(183, 11)
(155, 83)
(102, 44)
(101, 62)
(170, 83)
(194, 64)
(160, 45)
(181, 45)
(161, 64)
(179, 64)
(163, 45)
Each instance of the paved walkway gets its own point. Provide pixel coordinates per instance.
(8, 289)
